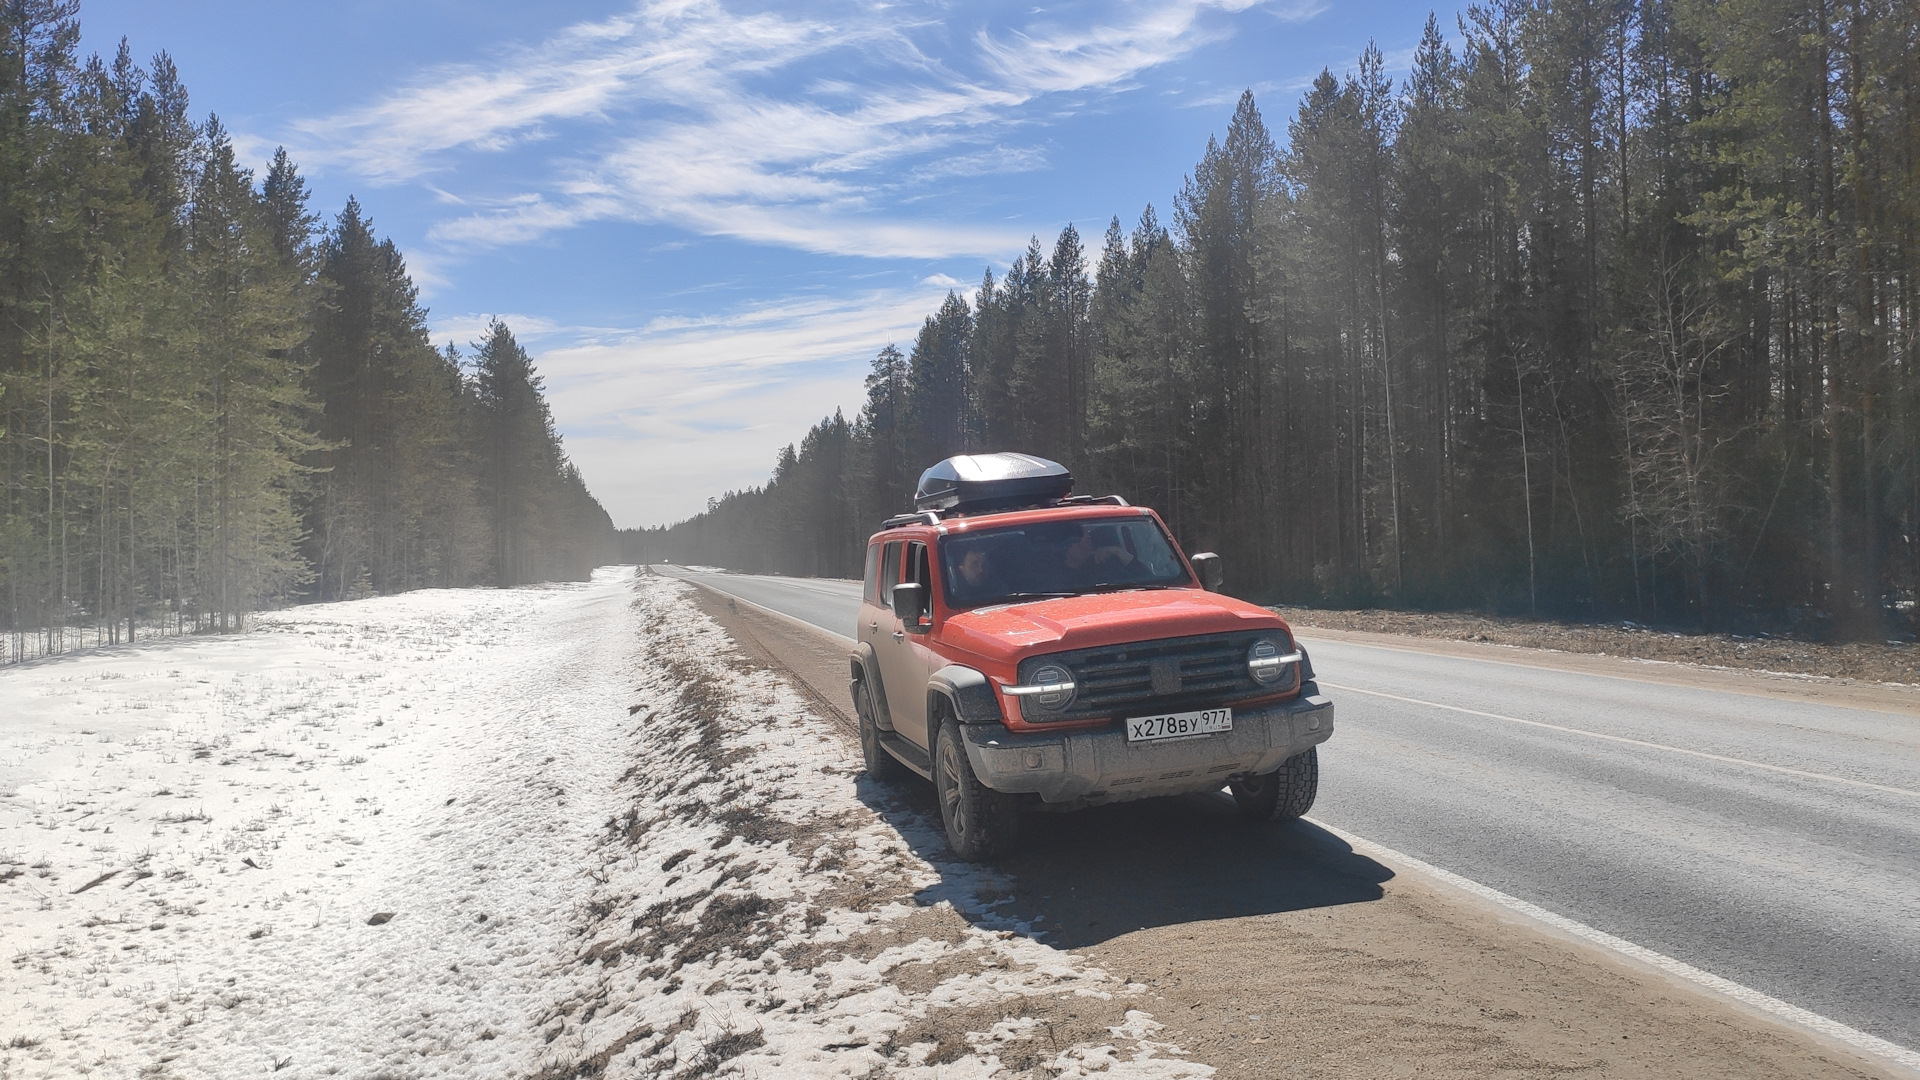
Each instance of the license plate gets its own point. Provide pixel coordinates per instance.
(1178, 725)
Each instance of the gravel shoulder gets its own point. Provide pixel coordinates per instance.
(1279, 950)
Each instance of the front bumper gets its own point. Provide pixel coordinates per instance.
(1088, 767)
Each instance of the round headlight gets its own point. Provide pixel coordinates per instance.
(1264, 664)
(1053, 675)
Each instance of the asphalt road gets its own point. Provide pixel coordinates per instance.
(1775, 843)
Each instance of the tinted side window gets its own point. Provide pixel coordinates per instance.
(873, 573)
(889, 574)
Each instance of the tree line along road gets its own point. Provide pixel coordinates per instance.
(1768, 841)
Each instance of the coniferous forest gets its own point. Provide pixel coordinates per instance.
(211, 401)
(1610, 312)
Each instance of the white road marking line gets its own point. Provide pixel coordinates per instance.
(1633, 742)
(1857, 1039)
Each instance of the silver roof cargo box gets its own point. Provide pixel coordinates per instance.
(975, 482)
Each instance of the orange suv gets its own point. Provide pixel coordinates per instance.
(1027, 649)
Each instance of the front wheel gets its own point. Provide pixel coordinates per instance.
(1281, 795)
(881, 766)
(981, 822)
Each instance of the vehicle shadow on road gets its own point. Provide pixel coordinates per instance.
(1083, 878)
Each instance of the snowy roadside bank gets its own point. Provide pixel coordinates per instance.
(757, 915)
(198, 840)
(199, 835)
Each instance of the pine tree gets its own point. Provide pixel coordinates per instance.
(255, 411)
(883, 482)
(198, 408)
(516, 453)
(936, 384)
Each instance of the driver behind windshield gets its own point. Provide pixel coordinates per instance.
(973, 570)
(971, 576)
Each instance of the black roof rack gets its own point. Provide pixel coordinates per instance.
(926, 517)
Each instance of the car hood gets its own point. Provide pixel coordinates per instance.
(1082, 622)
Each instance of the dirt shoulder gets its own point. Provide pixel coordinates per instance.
(1881, 677)
(1268, 951)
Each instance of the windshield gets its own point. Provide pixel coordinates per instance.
(1057, 558)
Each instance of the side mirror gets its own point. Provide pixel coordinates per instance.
(1207, 565)
(910, 603)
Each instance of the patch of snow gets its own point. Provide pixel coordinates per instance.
(595, 837)
(208, 826)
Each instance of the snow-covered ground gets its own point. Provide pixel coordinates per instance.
(558, 831)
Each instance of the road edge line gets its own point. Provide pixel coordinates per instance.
(1853, 1038)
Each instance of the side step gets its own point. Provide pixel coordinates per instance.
(908, 754)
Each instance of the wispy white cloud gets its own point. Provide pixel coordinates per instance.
(1052, 58)
(1263, 92)
(586, 70)
(662, 417)
(429, 272)
(461, 330)
(1279, 93)
(796, 130)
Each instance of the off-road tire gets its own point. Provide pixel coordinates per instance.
(881, 766)
(981, 823)
(1281, 795)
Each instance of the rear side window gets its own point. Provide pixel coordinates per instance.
(889, 574)
(873, 573)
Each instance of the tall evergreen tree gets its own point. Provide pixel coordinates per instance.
(245, 307)
(1608, 312)
(518, 453)
(936, 391)
(200, 410)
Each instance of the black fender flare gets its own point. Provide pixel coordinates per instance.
(862, 664)
(966, 691)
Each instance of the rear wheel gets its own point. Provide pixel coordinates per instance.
(881, 765)
(981, 822)
(1281, 795)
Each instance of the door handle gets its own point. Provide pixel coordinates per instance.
(874, 625)
(899, 635)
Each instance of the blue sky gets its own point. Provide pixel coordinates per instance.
(704, 217)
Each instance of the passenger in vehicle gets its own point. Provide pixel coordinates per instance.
(1097, 547)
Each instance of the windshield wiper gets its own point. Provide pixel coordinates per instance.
(1005, 597)
(1125, 586)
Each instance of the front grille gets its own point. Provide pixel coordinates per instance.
(1152, 676)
